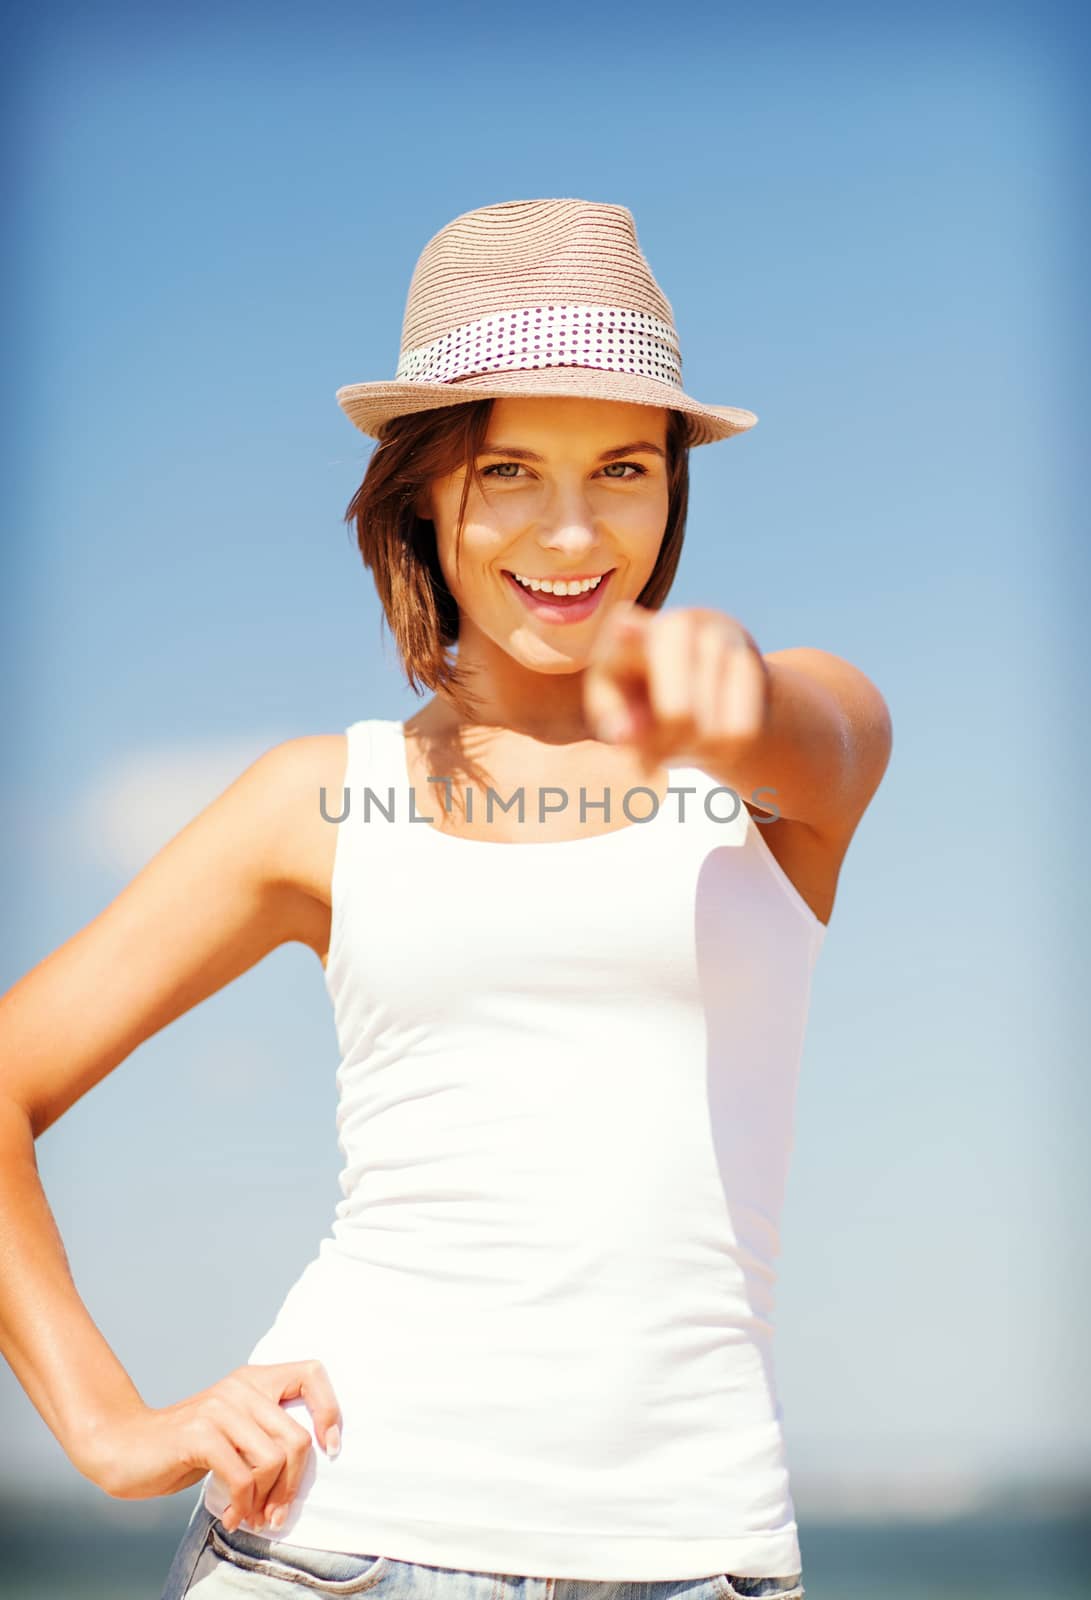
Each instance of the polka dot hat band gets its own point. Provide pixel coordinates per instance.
(537, 297)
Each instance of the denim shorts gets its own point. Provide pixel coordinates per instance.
(212, 1564)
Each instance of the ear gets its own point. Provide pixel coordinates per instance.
(422, 505)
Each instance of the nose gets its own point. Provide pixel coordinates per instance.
(569, 527)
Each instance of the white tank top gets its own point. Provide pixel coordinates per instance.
(565, 1104)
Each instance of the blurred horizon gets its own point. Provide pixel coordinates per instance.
(839, 1498)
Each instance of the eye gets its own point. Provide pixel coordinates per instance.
(633, 466)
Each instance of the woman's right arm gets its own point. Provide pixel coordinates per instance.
(243, 877)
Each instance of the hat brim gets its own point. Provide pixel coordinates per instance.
(369, 405)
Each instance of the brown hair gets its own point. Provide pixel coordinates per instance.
(399, 547)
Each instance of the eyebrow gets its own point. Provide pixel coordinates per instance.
(513, 451)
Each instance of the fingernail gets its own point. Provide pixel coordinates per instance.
(276, 1520)
(333, 1441)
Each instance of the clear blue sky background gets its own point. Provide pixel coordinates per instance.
(863, 218)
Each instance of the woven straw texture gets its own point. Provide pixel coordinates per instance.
(548, 256)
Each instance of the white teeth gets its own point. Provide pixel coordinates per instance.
(548, 586)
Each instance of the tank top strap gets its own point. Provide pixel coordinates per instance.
(371, 791)
(377, 760)
(384, 791)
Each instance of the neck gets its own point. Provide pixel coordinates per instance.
(543, 703)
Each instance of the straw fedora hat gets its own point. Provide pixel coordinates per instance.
(537, 297)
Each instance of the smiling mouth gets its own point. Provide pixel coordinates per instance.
(535, 585)
(573, 607)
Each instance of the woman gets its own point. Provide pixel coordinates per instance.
(570, 971)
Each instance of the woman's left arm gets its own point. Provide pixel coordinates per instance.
(823, 745)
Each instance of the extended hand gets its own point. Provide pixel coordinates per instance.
(676, 683)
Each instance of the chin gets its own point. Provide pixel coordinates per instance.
(558, 666)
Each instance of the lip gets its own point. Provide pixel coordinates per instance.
(569, 577)
(575, 609)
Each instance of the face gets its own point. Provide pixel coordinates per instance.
(572, 489)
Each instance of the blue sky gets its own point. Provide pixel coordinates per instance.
(863, 224)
